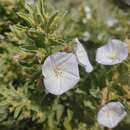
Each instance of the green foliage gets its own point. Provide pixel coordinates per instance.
(28, 36)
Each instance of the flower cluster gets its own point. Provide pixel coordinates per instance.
(61, 73)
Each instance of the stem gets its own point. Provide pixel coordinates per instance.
(105, 96)
(44, 96)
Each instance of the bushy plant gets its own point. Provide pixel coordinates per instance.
(29, 35)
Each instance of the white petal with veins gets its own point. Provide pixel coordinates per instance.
(114, 52)
(82, 56)
(111, 114)
(60, 72)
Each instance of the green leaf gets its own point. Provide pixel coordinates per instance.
(59, 111)
(51, 19)
(27, 18)
(89, 104)
(67, 124)
(17, 111)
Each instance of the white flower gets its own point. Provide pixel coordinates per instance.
(88, 12)
(111, 114)
(60, 72)
(86, 36)
(111, 22)
(112, 53)
(82, 56)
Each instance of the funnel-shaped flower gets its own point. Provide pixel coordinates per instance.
(82, 56)
(112, 53)
(111, 114)
(60, 72)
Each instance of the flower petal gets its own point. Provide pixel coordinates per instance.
(111, 114)
(82, 56)
(114, 52)
(67, 77)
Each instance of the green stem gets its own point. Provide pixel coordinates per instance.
(43, 98)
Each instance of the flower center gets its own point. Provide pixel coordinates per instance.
(57, 71)
(110, 113)
(113, 55)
